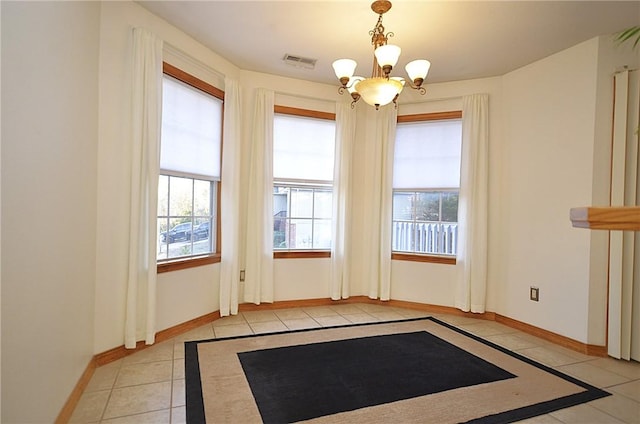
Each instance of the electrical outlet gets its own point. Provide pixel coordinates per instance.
(242, 275)
(534, 294)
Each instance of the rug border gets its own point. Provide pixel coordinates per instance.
(194, 404)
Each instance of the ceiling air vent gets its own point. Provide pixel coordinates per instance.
(299, 61)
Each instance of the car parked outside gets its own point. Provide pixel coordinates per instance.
(201, 232)
(177, 233)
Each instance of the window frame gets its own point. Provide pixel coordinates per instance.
(300, 253)
(174, 264)
(426, 257)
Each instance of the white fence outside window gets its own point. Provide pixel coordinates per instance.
(440, 238)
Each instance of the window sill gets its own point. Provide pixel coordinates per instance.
(188, 263)
(446, 260)
(298, 254)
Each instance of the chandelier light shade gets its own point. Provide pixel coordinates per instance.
(381, 88)
(344, 69)
(417, 70)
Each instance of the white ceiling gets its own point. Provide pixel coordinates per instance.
(462, 39)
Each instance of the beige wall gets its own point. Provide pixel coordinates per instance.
(549, 113)
(49, 155)
(557, 124)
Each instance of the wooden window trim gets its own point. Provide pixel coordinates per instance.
(188, 263)
(301, 254)
(215, 257)
(415, 257)
(189, 79)
(286, 110)
(436, 116)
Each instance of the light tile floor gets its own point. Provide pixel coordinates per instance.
(148, 386)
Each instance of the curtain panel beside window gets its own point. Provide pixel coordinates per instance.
(230, 200)
(146, 101)
(342, 192)
(258, 285)
(473, 204)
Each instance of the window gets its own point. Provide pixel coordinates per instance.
(190, 159)
(426, 181)
(303, 152)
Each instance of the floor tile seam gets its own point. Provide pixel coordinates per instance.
(616, 373)
(104, 408)
(171, 389)
(587, 380)
(89, 390)
(572, 361)
(148, 362)
(138, 414)
(622, 394)
(629, 380)
(360, 313)
(141, 384)
(591, 404)
(596, 361)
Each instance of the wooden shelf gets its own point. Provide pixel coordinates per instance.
(625, 218)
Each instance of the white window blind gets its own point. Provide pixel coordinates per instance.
(191, 130)
(427, 154)
(303, 148)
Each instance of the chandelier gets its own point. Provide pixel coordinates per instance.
(381, 88)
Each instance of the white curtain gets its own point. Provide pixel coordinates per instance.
(623, 322)
(341, 238)
(230, 200)
(472, 206)
(380, 136)
(258, 285)
(146, 99)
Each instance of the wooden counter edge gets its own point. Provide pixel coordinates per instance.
(626, 218)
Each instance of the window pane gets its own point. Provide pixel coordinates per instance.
(450, 207)
(280, 233)
(202, 197)
(163, 224)
(402, 206)
(427, 206)
(191, 130)
(322, 234)
(300, 234)
(322, 204)
(163, 195)
(427, 154)
(301, 203)
(303, 148)
(180, 196)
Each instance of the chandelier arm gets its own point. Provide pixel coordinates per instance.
(355, 97)
(420, 88)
